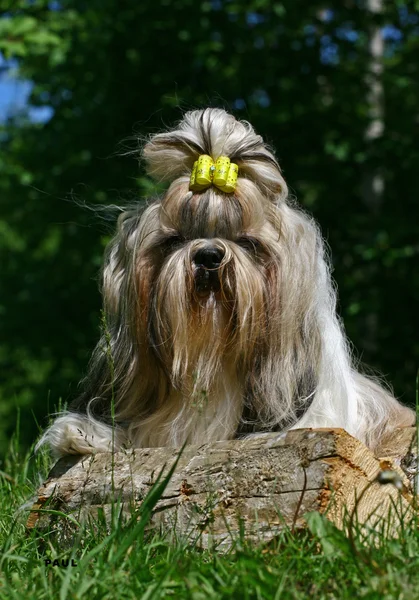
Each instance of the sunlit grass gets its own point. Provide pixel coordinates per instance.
(122, 559)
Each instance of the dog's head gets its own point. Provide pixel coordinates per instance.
(201, 282)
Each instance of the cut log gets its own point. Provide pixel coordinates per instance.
(401, 449)
(258, 485)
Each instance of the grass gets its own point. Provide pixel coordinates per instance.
(124, 561)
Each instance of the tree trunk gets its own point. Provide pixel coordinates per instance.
(372, 187)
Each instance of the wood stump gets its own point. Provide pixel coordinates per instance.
(257, 485)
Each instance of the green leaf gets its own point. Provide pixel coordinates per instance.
(332, 540)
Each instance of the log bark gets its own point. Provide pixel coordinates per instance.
(258, 485)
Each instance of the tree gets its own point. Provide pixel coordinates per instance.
(297, 72)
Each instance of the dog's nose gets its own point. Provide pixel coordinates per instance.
(210, 258)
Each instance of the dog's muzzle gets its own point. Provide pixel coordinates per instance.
(207, 263)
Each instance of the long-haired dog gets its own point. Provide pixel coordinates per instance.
(220, 312)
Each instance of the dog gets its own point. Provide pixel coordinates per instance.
(220, 311)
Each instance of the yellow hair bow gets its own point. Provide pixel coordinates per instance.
(223, 174)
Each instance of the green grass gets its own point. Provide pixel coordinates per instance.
(125, 561)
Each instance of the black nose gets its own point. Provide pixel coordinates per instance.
(210, 258)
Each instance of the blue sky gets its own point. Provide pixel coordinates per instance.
(14, 95)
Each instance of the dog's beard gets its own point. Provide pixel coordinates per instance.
(204, 319)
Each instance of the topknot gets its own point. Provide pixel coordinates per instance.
(215, 132)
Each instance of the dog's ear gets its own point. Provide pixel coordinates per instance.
(119, 265)
(121, 366)
(299, 296)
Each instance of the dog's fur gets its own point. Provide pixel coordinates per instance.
(220, 313)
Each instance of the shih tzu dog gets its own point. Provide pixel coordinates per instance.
(219, 310)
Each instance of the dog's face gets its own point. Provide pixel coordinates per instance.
(206, 275)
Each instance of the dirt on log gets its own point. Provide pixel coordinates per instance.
(257, 485)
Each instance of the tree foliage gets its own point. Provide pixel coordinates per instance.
(300, 72)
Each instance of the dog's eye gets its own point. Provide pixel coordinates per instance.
(173, 240)
(250, 244)
(171, 243)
